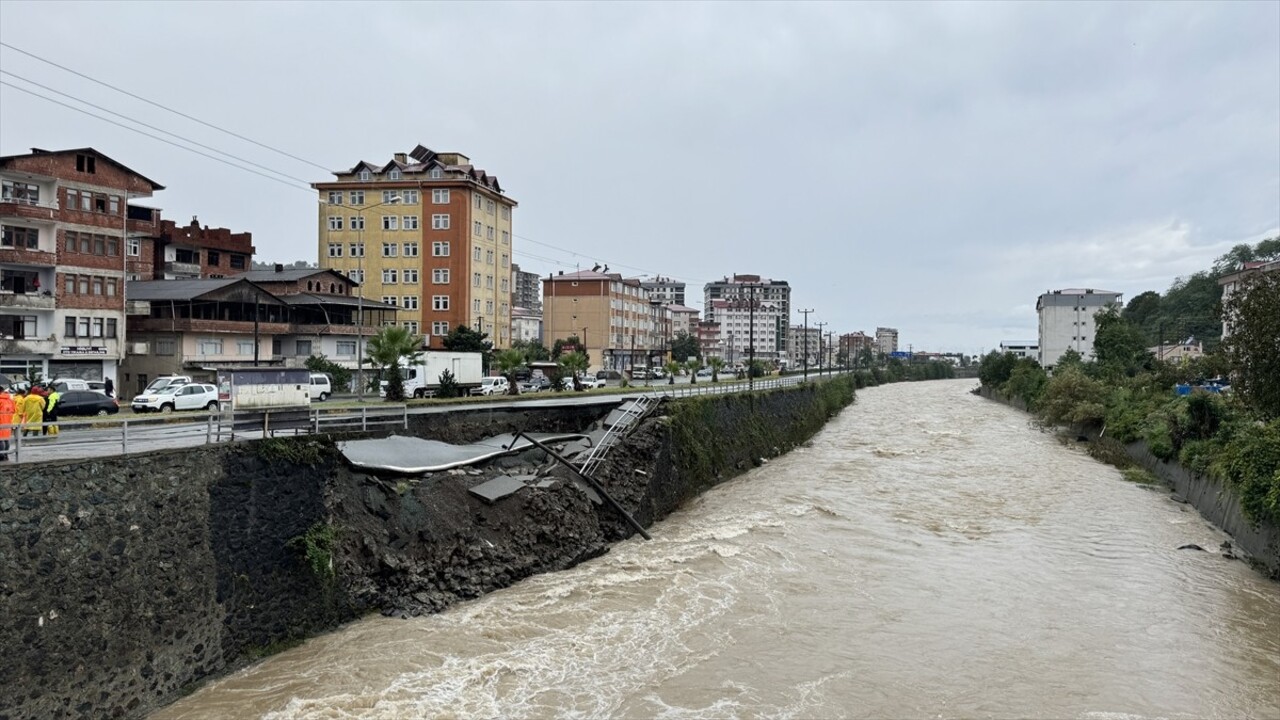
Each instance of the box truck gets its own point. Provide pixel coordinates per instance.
(422, 375)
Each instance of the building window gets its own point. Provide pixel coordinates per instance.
(475, 279)
(389, 277)
(412, 327)
(506, 238)
(86, 164)
(238, 261)
(506, 213)
(411, 248)
(488, 206)
(389, 196)
(244, 347)
(440, 248)
(505, 285)
(21, 238)
(488, 281)
(394, 174)
(410, 277)
(488, 257)
(410, 222)
(475, 306)
(478, 200)
(390, 222)
(409, 302)
(357, 250)
(110, 287)
(335, 250)
(440, 221)
(164, 347)
(365, 176)
(114, 207)
(335, 197)
(440, 328)
(209, 347)
(346, 348)
(504, 260)
(475, 253)
(86, 201)
(357, 222)
(84, 285)
(440, 196)
(388, 299)
(440, 276)
(409, 197)
(439, 302)
(488, 306)
(389, 249)
(476, 227)
(335, 222)
(303, 347)
(488, 231)
(357, 197)
(215, 258)
(26, 193)
(356, 276)
(437, 172)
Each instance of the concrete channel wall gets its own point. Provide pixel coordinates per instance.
(1216, 502)
(127, 581)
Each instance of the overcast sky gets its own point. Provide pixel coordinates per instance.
(930, 167)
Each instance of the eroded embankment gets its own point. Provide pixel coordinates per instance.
(125, 581)
(1215, 501)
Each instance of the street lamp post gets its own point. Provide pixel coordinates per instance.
(395, 199)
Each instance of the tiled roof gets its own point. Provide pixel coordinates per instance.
(160, 290)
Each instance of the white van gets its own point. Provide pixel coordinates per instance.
(321, 387)
(64, 384)
(492, 386)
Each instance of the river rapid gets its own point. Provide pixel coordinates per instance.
(930, 554)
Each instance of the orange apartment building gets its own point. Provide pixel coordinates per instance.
(427, 232)
(612, 316)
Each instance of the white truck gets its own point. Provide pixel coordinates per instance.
(268, 388)
(422, 376)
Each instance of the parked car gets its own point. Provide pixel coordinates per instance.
(704, 372)
(608, 375)
(165, 381)
(98, 386)
(191, 396)
(584, 383)
(75, 403)
(68, 384)
(492, 386)
(321, 387)
(529, 386)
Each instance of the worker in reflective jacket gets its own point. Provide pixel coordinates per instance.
(7, 409)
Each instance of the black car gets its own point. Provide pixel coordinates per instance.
(608, 375)
(85, 402)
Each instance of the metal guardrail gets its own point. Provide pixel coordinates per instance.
(107, 435)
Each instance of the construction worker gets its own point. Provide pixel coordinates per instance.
(7, 409)
(51, 413)
(33, 413)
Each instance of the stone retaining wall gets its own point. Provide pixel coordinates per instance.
(126, 581)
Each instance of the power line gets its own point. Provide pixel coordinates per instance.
(162, 107)
(307, 190)
(152, 127)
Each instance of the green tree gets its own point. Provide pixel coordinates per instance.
(340, 376)
(1253, 347)
(448, 386)
(1072, 398)
(693, 364)
(1235, 257)
(996, 367)
(575, 364)
(717, 364)
(1119, 345)
(1142, 311)
(509, 361)
(386, 350)
(567, 345)
(464, 339)
(673, 369)
(1027, 381)
(685, 346)
(533, 351)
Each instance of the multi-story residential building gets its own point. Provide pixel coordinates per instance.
(1231, 284)
(856, 343)
(1178, 352)
(262, 317)
(67, 237)
(664, 290)
(526, 290)
(195, 251)
(429, 231)
(709, 342)
(741, 287)
(743, 327)
(802, 346)
(1021, 348)
(1067, 321)
(886, 340)
(526, 325)
(611, 315)
(684, 319)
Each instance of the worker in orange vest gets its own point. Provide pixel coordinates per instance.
(7, 409)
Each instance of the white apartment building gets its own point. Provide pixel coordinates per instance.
(526, 324)
(803, 346)
(1021, 348)
(1067, 321)
(886, 340)
(740, 326)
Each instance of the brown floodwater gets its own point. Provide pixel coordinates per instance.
(930, 554)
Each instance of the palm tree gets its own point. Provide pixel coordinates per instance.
(672, 367)
(508, 361)
(693, 364)
(386, 350)
(575, 364)
(716, 364)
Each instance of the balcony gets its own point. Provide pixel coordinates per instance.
(185, 269)
(40, 213)
(27, 301)
(238, 327)
(13, 256)
(14, 346)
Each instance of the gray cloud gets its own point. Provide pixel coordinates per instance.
(927, 166)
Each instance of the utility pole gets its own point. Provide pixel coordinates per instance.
(829, 364)
(751, 328)
(820, 326)
(804, 342)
